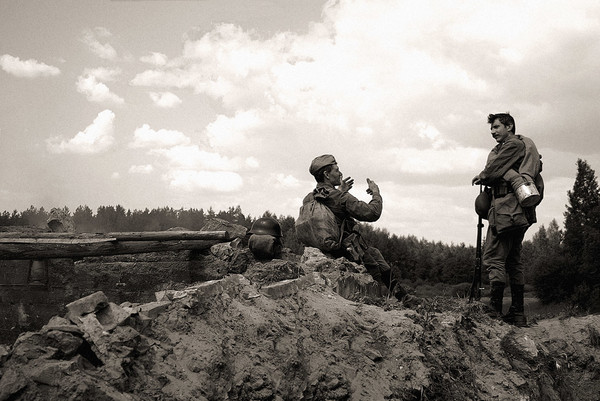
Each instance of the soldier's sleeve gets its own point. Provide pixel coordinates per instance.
(363, 211)
(508, 154)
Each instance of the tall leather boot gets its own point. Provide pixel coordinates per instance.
(496, 295)
(516, 312)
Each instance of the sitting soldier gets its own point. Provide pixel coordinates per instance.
(347, 209)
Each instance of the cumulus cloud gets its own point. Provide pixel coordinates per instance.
(90, 84)
(158, 59)
(146, 137)
(187, 166)
(192, 180)
(102, 50)
(231, 131)
(27, 68)
(165, 100)
(95, 138)
(192, 157)
(287, 181)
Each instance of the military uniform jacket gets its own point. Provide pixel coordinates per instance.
(346, 206)
(505, 156)
(506, 214)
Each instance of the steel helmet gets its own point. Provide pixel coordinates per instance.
(266, 225)
(483, 202)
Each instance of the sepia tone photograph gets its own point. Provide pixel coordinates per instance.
(299, 200)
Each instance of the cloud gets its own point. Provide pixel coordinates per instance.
(141, 169)
(158, 59)
(103, 74)
(165, 99)
(146, 137)
(252, 162)
(287, 181)
(186, 166)
(380, 66)
(96, 138)
(102, 50)
(231, 131)
(192, 180)
(192, 157)
(96, 91)
(454, 160)
(27, 69)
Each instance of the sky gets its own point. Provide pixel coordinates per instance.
(220, 103)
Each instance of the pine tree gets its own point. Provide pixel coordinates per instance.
(584, 199)
(582, 238)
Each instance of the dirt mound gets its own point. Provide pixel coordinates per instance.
(312, 330)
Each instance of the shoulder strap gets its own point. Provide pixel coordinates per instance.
(341, 233)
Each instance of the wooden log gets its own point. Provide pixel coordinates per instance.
(65, 249)
(170, 235)
(124, 236)
(55, 240)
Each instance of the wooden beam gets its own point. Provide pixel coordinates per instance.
(124, 236)
(16, 245)
(74, 250)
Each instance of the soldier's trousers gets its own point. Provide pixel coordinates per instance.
(502, 256)
(381, 271)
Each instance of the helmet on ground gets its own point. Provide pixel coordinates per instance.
(266, 225)
(483, 202)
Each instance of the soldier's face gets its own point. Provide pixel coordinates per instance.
(335, 175)
(500, 131)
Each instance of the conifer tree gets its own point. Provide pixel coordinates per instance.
(584, 201)
(582, 238)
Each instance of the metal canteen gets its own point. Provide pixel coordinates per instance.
(527, 193)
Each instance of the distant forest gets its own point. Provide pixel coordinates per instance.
(561, 265)
(421, 261)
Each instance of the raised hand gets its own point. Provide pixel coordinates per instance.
(346, 184)
(373, 188)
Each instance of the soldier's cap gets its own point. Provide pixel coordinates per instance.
(320, 162)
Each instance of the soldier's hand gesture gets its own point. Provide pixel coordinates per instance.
(373, 188)
(347, 184)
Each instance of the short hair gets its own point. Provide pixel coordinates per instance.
(320, 174)
(504, 118)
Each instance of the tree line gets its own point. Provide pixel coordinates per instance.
(561, 264)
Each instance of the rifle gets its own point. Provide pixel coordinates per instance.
(476, 285)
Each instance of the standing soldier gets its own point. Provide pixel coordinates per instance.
(512, 172)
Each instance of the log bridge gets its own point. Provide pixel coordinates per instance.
(40, 246)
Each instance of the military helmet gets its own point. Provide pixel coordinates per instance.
(266, 225)
(483, 202)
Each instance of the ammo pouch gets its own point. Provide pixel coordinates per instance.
(354, 247)
(506, 214)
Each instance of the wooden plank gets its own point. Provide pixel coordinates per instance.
(125, 236)
(170, 235)
(55, 240)
(48, 250)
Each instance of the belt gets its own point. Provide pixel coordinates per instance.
(502, 190)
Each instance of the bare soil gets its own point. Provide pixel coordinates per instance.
(300, 340)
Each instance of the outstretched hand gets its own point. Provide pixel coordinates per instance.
(373, 188)
(346, 184)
